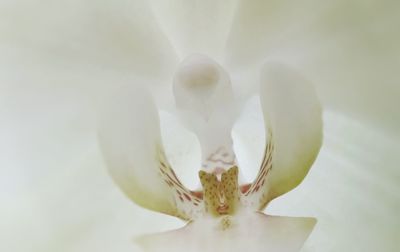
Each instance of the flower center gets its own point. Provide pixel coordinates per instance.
(221, 196)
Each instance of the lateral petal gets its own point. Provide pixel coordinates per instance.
(130, 140)
(293, 121)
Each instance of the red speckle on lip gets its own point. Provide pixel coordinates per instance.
(187, 197)
(245, 188)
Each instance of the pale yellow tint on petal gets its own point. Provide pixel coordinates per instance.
(243, 232)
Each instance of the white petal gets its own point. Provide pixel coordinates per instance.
(254, 232)
(120, 35)
(259, 26)
(353, 189)
(130, 139)
(351, 50)
(54, 187)
(196, 26)
(293, 120)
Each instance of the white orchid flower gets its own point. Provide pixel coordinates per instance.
(58, 58)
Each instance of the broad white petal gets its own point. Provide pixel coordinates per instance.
(130, 139)
(353, 189)
(196, 26)
(254, 232)
(55, 191)
(293, 119)
(120, 35)
(351, 50)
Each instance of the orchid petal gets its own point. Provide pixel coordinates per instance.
(130, 140)
(196, 26)
(350, 50)
(119, 35)
(357, 169)
(254, 232)
(294, 124)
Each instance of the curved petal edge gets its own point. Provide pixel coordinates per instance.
(254, 232)
(130, 140)
(293, 122)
